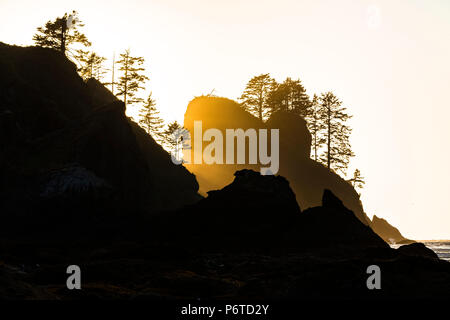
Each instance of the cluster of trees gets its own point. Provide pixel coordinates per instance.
(263, 95)
(325, 115)
(64, 34)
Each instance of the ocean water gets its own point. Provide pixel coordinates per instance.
(442, 248)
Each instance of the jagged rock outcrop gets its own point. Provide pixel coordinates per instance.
(51, 119)
(307, 178)
(254, 211)
(389, 233)
(261, 212)
(252, 191)
(334, 227)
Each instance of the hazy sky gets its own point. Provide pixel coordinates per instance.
(387, 60)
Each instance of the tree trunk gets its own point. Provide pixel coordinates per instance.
(260, 107)
(112, 80)
(329, 136)
(315, 144)
(126, 84)
(63, 36)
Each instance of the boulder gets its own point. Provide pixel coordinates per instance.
(417, 249)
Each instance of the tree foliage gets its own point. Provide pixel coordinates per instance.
(131, 80)
(150, 119)
(316, 128)
(333, 117)
(173, 138)
(289, 96)
(256, 93)
(91, 65)
(325, 116)
(61, 33)
(357, 181)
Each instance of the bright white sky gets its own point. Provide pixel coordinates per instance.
(387, 60)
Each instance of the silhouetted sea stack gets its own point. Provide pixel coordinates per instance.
(54, 125)
(307, 178)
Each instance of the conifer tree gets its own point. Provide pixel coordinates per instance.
(91, 65)
(289, 96)
(150, 119)
(333, 117)
(132, 80)
(61, 33)
(316, 128)
(173, 138)
(357, 181)
(254, 98)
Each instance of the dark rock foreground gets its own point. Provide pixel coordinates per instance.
(219, 249)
